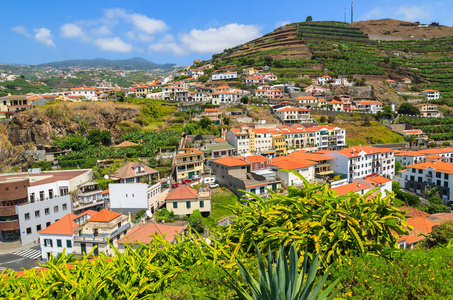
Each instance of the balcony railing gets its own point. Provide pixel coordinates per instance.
(100, 238)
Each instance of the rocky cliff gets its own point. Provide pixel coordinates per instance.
(43, 125)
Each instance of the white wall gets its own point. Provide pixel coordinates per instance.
(128, 195)
(46, 248)
(43, 218)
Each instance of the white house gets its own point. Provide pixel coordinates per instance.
(224, 98)
(431, 94)
(304, 167)
(363, 162)
(84, 92)
(293, 114)
(59, 236)
(132, 197)
(369, 106)
(224, 76)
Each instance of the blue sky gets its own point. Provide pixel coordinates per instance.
(172, 31)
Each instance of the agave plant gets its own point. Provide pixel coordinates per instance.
(281, 279)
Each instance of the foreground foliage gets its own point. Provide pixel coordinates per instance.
(279, 279)
(316, 218)
(417, 274)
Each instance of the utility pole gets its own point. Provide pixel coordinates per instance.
(352, 11)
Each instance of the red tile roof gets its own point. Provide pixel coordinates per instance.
(104, 215)
(231, 162)
(290, 163)
(143, 233)
(182, 192)
(413, 212)
(351, 187)
(128, 170)
(439, 166)
(421, 225)
(126, 144)
(65, 225)
(255, 158)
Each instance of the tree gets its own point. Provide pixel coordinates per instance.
(440, 236)
(410, 138)
(309, 19)
(432, 195)
(196, 221)
(367, 120)
(331, 119)
(408, 109)
(226, 121)
(120, 96)
(245, 100)
(398, 167)
(205, 122)
(323, 119)
(203, 78)
(106, 137)
(318, 220)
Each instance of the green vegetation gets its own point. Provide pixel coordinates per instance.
(437, 129)
(221, 201)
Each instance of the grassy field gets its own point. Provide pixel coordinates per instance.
(219, 200)
(357, 134)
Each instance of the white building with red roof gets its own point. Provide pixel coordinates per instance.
(88, 93)
(306, 168)
(363, 161)
(103, 227)
(59, 236)
(431, 94)
(369, 106)
(290, 114)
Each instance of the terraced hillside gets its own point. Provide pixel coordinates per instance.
(305, 49)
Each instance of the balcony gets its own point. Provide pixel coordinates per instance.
(100, 238)
(182, 163)
(9, 225)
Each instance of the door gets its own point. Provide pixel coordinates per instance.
(83, 248)
(191, 174)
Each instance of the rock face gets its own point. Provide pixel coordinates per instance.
(43, 125)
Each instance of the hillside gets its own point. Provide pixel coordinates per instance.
(135, 63)
(390, 28)
(303, 50)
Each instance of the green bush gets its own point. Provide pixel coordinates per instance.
(417, 274)
(44, 165)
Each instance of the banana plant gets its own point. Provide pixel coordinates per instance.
(280, 279)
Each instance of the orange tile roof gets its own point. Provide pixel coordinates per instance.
(231, 162)
(355, 151)
(182, 192)
(104, 192)
(441, 217)
(83, 89)
(377, 179)
(416, 131)
(408, 153)
(433, 156)
(413, 212)
(104, 215)
(128, 170)
(351, 187)
(223, 87)
(65, 225)
(366, 102)
(309, 156)
(290, 163)
(439, 166)
(219, 140)
(423, 225)
(192, 152)
(211, 110)
(426, 91)
(306, 98)
(143, 233)
(409, 239)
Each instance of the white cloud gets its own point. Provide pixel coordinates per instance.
(218, 39)
(413, 13)
(44, 36)
(114, 44)
(71, 30)
(282, 23)
(21, 30)
(376, 13)
(167, 44)
(141, 37)
(140, 22)
(101, 30)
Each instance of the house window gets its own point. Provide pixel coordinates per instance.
(41, 195)
(445, 176)
(46, 211)
(27, 216)
(262, 190)
(55, 209)
(59, 243)
(32, 197)
(37, 213)
(119, 225)
(28, 230)
(38, 227)
(175, 204)
(188, 204)
(48, 242)
(47, 224)
(50, 194)
(201, 204)
(68, 244)
(65, 206)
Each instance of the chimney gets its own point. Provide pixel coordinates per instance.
(129, 217)
(358, 184)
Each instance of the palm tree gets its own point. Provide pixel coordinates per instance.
(410, 139)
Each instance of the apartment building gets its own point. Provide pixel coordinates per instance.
(47, 200)
(240, 140)
(308, 101)
(133, 196)
(224, 98)
(102, 227)
(422, 176)
(188, 162)
(369, 106)
(303, 167)
(224, 76)
(322, 162)
(363, 161)
(428, 110)
(290, 114)
(14, 103)
(415, 157)
(88, 93)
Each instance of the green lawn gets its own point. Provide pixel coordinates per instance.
(219, 200)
